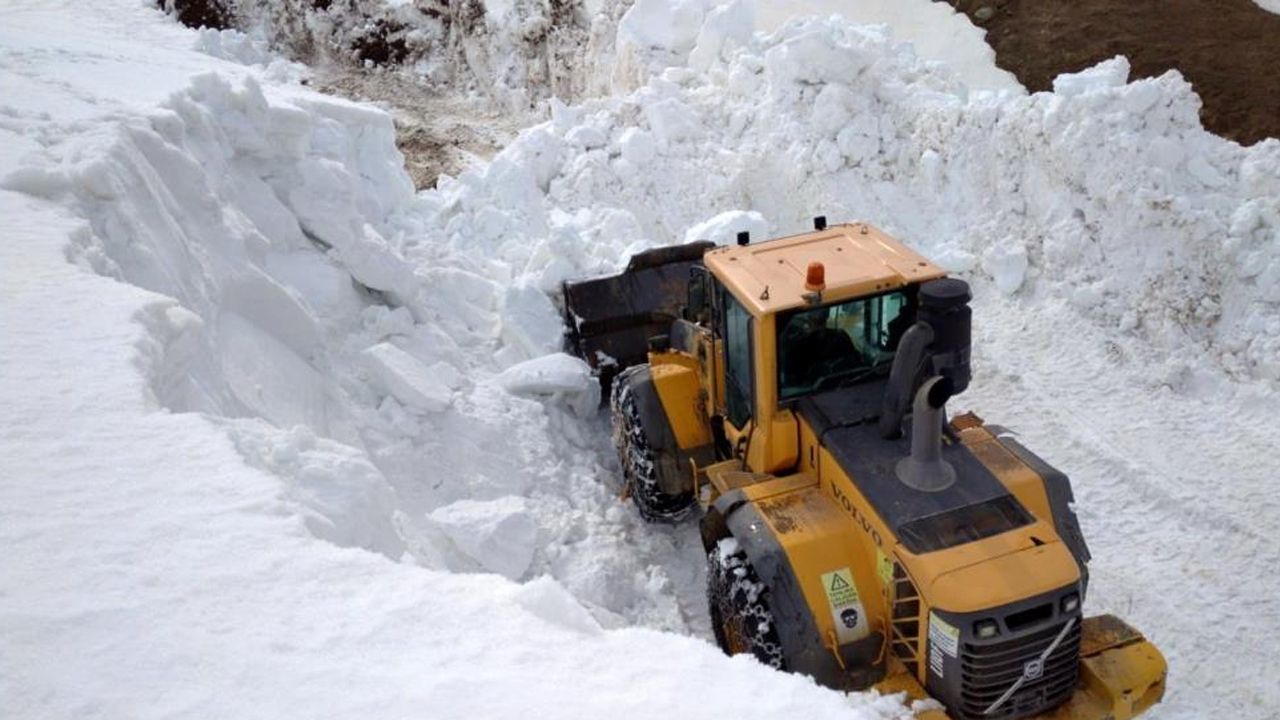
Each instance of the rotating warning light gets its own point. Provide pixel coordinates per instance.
(815, 280)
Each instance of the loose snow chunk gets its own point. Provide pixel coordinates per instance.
(636, 146)
(726, 26)
(586, 136)
(498, 534)
(530, 322)
(558, 373)
(550, 601)
(1007, 264)
(400, 375)
(724, 228)
(1111, 73)
(672, 121)
(667, 24)
(816, 56)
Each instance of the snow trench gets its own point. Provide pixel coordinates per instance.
(392, 356)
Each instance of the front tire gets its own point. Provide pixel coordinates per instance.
(741, 616)
(639, 461)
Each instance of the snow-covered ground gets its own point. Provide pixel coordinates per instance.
(283, 437)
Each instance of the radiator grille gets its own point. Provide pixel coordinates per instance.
(988, 670)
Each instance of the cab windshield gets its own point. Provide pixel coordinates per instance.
(840, 344)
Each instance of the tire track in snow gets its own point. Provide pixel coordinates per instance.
(1173, 495)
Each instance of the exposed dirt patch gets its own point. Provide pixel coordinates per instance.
(458, 85)
(382, 44)
(1228, 49)
(200, 13)
(437, 132)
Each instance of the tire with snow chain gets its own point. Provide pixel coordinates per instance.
(638, 459)
(739, 603)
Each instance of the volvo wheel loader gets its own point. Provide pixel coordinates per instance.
(792, 393)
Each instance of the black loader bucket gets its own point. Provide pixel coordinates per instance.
(611, 319)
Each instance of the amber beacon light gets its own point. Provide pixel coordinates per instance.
(815, 280)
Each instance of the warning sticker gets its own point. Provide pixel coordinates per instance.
(944, 638)
(846, 607)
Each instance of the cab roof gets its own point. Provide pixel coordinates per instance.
(769, 277)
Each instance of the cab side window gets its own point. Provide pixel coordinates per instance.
(737, 332)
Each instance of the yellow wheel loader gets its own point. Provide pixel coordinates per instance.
(792, 393)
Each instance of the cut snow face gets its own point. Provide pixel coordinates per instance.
(389, 358)
(391, 392)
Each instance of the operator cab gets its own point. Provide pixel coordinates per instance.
(840, 344)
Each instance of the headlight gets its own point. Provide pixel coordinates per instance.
(1070, 603)
(986, 629)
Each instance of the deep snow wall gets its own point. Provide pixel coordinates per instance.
(1108, 195)
(366, 383)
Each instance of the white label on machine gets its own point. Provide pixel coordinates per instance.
(943, 638)
(846, 608)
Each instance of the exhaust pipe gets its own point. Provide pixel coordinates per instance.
(937, 344)
(924, 469)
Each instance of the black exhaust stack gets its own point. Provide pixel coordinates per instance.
(924, 469)
(937, 344)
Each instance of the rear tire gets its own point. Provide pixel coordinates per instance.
(741, 616)
(638, 460)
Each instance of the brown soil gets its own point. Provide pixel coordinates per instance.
(436, 132)
(200, 13)
(1228, 49)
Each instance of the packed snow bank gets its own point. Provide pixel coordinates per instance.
(1108, 193)
(524, 51)
(656, 34)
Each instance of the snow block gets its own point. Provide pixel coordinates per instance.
(1112, 73)
(547, 375)
(1007, 264)
(636, 146)
(549, 600)
(530, 322)
(672, 121)
(558, 375)
(397, 373)
(499, 535)
(723, 229)
(662, 24)
(726, 26)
